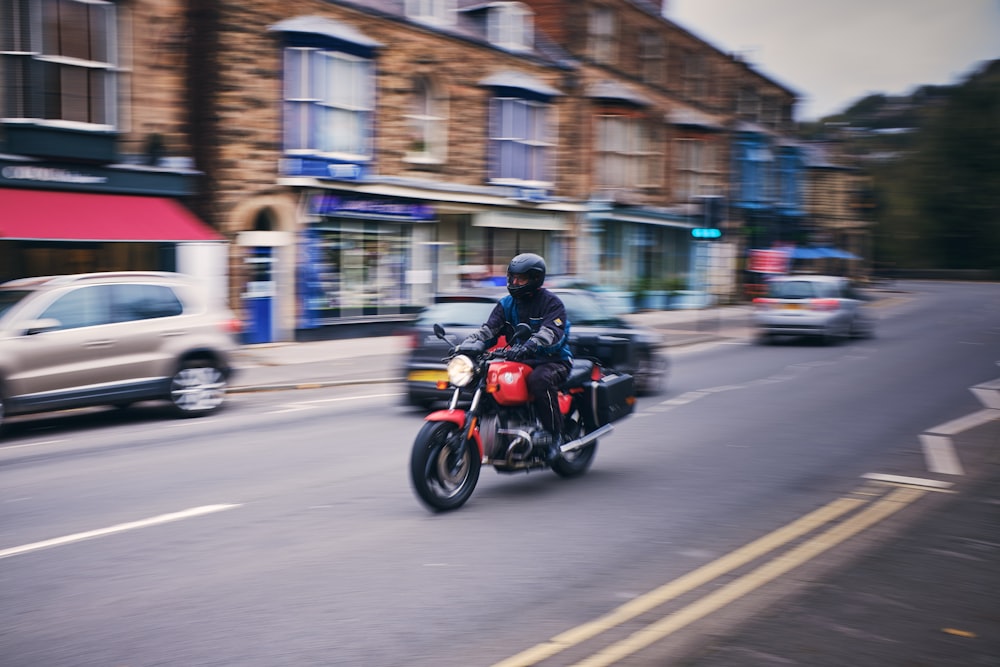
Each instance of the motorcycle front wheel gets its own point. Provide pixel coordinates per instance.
(442, 478)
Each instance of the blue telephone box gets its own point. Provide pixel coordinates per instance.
(258, 297)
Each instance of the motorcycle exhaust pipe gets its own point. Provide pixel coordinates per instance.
(587, 439)
(523, 438)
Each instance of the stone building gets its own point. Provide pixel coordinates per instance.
(700, 131)
(836, 212)
(92, 107)
(365, 155)
(361, 155)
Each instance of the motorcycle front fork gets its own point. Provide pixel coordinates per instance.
(470, 424)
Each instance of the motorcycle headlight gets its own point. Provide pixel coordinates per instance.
(461, 370)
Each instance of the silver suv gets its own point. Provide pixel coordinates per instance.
(112, 339)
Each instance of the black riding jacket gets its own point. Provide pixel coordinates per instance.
(544, 312)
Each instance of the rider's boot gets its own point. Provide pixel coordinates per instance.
(547, 444)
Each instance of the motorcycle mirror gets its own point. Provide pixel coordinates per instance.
(523, 331)
(439, 331)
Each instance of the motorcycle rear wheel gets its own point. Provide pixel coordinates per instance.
(575, 463)
(443, 480)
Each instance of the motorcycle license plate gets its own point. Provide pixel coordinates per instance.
(428, 376)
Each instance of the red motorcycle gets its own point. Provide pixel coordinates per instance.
(500, 427)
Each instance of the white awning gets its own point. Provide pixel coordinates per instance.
(518, 220)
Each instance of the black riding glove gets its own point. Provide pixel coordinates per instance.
(523, 350)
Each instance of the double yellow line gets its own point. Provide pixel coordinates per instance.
(877, 511)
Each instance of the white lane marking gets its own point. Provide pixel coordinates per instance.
(728, 387)
(307, 405)
(940, 455)
(971, 420)
(909, 481)
(988, 393)
(353, 398)
(34, 444)
(119, 528)
(685, 398)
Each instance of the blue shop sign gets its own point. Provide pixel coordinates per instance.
(323, 168)
(336, 205)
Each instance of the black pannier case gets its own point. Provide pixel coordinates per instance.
(611, 398)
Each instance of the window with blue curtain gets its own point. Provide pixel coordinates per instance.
(520, 141)
(328, 102)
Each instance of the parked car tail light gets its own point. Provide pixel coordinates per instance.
(232, 326)
(761, 302)
(824, 304)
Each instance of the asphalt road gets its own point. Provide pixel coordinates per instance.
(732, 521)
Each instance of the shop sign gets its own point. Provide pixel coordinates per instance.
(533, 194)
(334, 205)
(768, 261)
(323, 168)
(48, 175)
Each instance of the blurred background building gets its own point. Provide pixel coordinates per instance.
(333, 162)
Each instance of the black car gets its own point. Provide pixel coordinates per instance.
(594, 332)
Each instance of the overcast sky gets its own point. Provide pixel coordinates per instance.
(834, 52)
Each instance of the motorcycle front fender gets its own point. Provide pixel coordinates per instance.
(456, 417)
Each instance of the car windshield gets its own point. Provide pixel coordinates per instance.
(456, 314)
(583, 309)
(793, 289)
(9, 298)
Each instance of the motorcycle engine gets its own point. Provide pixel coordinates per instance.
(488, 426)
(495, 445)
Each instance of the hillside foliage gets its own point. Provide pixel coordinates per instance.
(934, 159)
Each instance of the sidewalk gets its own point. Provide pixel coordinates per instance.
(327, 363)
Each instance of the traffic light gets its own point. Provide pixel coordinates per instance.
(713, 206)
(706, 233)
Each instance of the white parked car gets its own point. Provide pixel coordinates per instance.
(829, 308)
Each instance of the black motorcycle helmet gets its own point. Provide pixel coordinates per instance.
(531, 265)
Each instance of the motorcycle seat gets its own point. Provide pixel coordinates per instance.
(579, 374)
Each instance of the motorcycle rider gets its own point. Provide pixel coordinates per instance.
(547, 350)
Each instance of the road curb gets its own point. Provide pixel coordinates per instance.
(318, 384)
(322, 384)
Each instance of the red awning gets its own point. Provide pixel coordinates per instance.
(42, 215)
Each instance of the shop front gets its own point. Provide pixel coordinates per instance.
(639, 249)
(357, 259)
(46, 230)
(375, 253)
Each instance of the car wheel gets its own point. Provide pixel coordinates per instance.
(651, 376)
(197, 388)
(861, 328)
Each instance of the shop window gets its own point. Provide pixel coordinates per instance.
(58, 62)
(355, 268)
